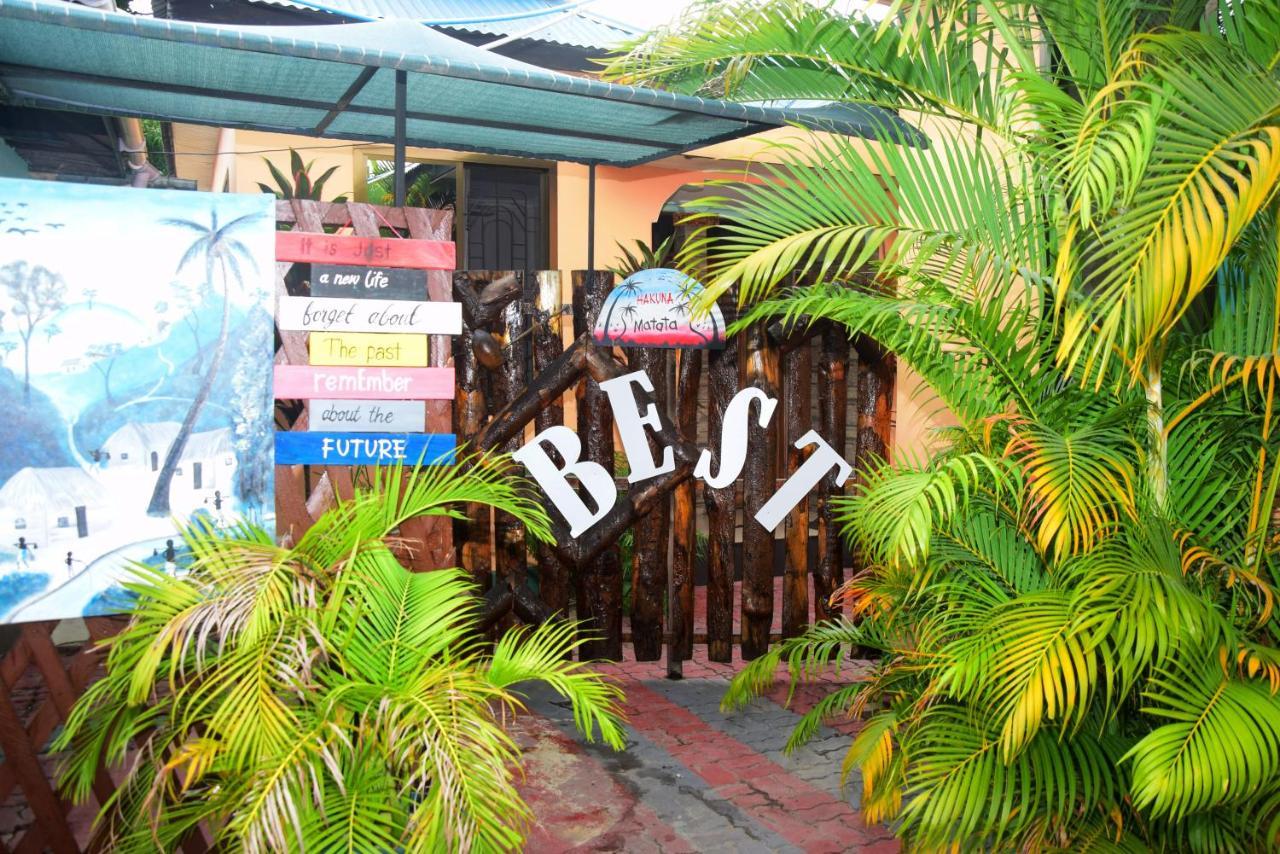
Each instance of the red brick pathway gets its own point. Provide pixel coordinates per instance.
(693, 778)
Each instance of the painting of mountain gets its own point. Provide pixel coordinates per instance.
(135, 355)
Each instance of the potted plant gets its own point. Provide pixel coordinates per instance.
(321, 697)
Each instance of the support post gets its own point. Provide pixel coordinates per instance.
(797, 373)
(759, 480)
(832, 401)
(721, 504)
(684, 550)
(649, 554)
(402, 96)
(553, 574)
(599, 580)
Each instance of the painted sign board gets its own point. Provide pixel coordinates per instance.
(138, 393)
(302, 382)
(656, 308)
(364, 449)
(311, 248)
(328, 280)
(368, 349)
(368, 416)
(331, 314)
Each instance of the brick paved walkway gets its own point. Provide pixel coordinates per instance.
(693, 779)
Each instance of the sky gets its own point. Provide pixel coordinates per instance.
(639, 13)
(652, 13)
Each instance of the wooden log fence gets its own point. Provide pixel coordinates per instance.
(517, 374)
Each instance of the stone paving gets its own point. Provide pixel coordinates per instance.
(693, 778)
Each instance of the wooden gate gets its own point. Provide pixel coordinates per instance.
(633, 575)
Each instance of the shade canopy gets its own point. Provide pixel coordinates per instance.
(339, 82)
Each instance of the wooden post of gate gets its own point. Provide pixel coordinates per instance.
(832, 400)
(649, 554)
(599, 584)
(758, 483)
(302, 495)
(721, 504)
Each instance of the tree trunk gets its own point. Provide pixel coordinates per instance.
(1158, 459)
(26, 369)
(159, 505)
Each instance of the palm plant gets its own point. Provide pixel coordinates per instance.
(321, 697)
(1073, 599)
(298, 184)
(643, 257)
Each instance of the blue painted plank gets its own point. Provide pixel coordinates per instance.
(364, 449)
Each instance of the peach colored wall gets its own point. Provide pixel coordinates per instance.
(627, 202)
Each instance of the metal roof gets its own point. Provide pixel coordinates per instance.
(338, 82)
(576, 27)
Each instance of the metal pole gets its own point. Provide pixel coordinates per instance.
(402, 89)
(591, 222)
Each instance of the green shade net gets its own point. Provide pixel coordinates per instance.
(339, 82)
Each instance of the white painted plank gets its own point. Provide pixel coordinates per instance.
(324, 314)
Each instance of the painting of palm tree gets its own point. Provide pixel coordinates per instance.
(225, 260)
(627, 288)
(138, 396)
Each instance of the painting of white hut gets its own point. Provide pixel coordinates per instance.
(135, 358)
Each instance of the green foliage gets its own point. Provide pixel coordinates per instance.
(298, 184)
(322, 697)
(645, 257)
(1074, 598)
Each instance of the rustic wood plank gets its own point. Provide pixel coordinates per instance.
(63, 692)
(797, 373)
(436, 533)
(351, 314)
(649, 552)
(759, 479)
(554, 575)
(721, 504)
(684, 533)
(599, 583)
(508, 383)
(829, 574)
(44, 803)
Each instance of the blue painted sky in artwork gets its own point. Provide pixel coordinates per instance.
(81, 249)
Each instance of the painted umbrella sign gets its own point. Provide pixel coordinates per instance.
(135, 381)
(654, 308)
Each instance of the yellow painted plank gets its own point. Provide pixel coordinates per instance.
(369, 349)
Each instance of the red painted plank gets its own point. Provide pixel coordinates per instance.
(305, 247)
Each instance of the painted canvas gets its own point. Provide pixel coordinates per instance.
(135, 383)
(654, 308)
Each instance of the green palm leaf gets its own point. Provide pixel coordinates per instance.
(1221, 743)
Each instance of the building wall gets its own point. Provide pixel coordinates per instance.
(628, 200)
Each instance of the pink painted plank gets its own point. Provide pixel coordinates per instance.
(306, 247)
(303, 382)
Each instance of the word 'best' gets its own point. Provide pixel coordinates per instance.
(632, 421)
